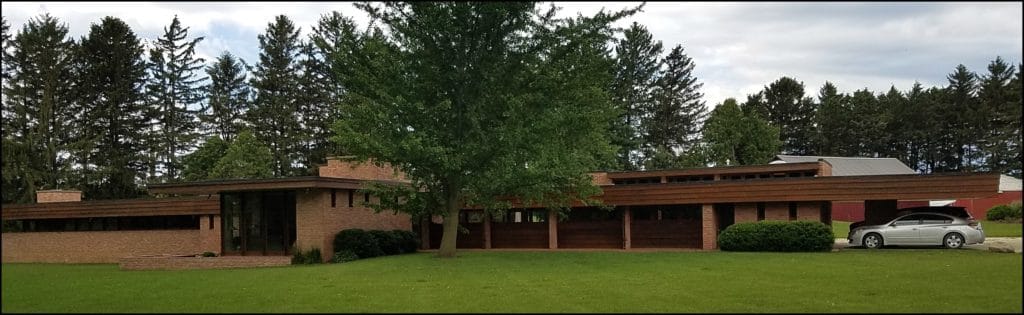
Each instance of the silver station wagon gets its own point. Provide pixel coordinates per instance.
(919, 229)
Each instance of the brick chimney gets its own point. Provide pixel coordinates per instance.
(346, 167)
(58, 195)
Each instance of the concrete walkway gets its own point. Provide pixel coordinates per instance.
(1010, 242)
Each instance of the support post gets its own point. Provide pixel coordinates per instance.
(487, 230)
(552, 229)
(425, 233)
(709, 227)
(627, 217)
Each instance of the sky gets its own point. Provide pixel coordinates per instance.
(738, 48)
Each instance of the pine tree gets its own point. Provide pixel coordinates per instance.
(318, 106)
(997, 125)
(636, 69)
(868, 123)
(677, 113)
(38, 97)
(174, 91)
(274, 116)
(227, 97)
(907, 125)
(783, 104)
(112, 113)
(1013, 118)
(832, 119)
(961, 112)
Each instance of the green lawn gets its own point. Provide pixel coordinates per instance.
(992, 229)
(860, 281)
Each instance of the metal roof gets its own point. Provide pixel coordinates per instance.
(1008, 183)
(854, 166)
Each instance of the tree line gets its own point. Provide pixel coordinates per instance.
(110, 112)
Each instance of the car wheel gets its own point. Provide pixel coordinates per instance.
(953, 240)
(872, 241)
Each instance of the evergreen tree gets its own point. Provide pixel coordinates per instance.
(783, 105)
(112, 113)
(677, 113)
(38, 95)
(1013, 118)
(733, 137)
(199, 164)
(275, 114)
(1000, 123)
(868, 123)
(174, 91)
(318, 106)
(245, 158)
(908, 123)
(227, 97)
(636, 69)
(961, 110)
(835, 132)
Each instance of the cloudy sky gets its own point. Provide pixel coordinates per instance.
(738, 47)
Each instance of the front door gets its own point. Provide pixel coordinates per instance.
(258, 223)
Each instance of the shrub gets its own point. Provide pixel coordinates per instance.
(344, 256)
(312, 256)
(360, 242)
(777, 236)
(209, 254)
(1010, 212)
(390, 243)
(410, 243)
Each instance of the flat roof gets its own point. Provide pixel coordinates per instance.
(721, 170)
(291, 183)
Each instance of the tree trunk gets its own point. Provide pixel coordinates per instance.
(451, 227)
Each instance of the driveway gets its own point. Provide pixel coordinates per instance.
(1012, 242)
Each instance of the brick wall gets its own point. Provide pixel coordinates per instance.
(317, 222)
(745, 212)
(709, 227)
(97, 246)
(808, 211)
(178, 263)
(209, 237)
(341, 168)
(778, 211)
(44, 196)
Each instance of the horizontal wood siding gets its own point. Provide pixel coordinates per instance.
(519, 235)
(114, 208)
(475, 238)
(590, 234)
(684, 233)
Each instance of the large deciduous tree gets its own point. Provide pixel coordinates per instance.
(734, 137)
(245, 158)
(478, 103)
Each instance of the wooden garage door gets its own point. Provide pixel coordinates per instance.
(676, 226)
(526, 228)
(591, 228)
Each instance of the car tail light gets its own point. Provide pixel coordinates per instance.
(974, 224)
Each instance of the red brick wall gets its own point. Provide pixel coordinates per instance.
(98, 246)
(316, 222)
(778, 211)
(44, 196)
(345, 169)
(709, 227)
(745, 212)
(209, 238)
(808, 211)
(178, 263)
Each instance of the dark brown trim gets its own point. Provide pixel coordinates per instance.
(217, 186)
(769, 168)
(114, 208)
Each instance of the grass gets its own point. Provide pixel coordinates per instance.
(992, 229)
(860, 281)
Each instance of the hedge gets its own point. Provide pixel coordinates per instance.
(354, 244)
(777, 236)
(1010, 212)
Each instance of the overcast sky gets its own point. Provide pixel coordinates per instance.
(738, 48)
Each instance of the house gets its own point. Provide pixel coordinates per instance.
(682, 208)
(857, 166)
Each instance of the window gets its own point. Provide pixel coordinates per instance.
(175, 222)
(350, 193)
(334, 196)
(792, 211)
(760, 211)
(935, 219)
(366, 197)
(522, 216)
(908, 220)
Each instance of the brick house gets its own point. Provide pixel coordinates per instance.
(684, 208)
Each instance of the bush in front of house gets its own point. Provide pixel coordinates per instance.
(352, 244)
(390, 243)
(1005, 213)
(409, 242)
(360, 242)
(312, 256)
(777, 236)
